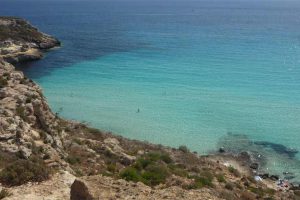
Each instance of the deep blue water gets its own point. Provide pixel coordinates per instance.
(195, 70)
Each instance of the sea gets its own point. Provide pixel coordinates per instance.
(202, 73)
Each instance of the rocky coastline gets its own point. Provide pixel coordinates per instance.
(20, 42)
(43, 156)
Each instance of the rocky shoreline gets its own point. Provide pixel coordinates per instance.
(20, 42)
(46, 157)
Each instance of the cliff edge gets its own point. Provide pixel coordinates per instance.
(20, 41)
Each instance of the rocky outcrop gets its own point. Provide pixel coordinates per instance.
(26, 120)
(20, 41)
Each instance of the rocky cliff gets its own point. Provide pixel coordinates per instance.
(19, 41)
(42, 154)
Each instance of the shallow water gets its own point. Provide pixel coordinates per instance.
(175, 72)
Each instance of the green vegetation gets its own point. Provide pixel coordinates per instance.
(131, 174)
(21, 112)
(72, 159)
(261, 192)
(200, 182)
(184, 149)
(4, 193)
(112, 167)
(19, 31)
(23, 171)
(178, 170)
(229, 186)
(93, 130)
(6, 159)
(220, 178)
(151, 170)
(205, 178)
(155, 174)
(3, 82)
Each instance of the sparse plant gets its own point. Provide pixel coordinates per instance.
(229, 186)
(73, 159)
(130, 174)
(3, 82)
(23, 171)
(234, 171)
(184, 149)
(220, 178)
(4, 193)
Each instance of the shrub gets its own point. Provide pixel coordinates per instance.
(112, 167)
(262, 192)
(207, 175)
(21, 112)
(142, 163)
(23, 171)
(201, 181)
(156, 156)
(178, 170)
(130, 174)
(152, 169)
(154, 175)
(3, 82)
(166, 158)
(229, 186)
(151, 158)
(220, 178)
(93, 130)
(4, 193)
(78, 172)
(73, 159)
(184, 149)
(6, 159)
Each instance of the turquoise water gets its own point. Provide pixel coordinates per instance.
(177, 72)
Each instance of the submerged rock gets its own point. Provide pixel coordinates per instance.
(278, 148)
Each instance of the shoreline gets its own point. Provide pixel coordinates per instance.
(28, 122)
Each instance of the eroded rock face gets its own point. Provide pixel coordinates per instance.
(25, 117)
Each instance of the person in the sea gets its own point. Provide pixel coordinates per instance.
(138, 110)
